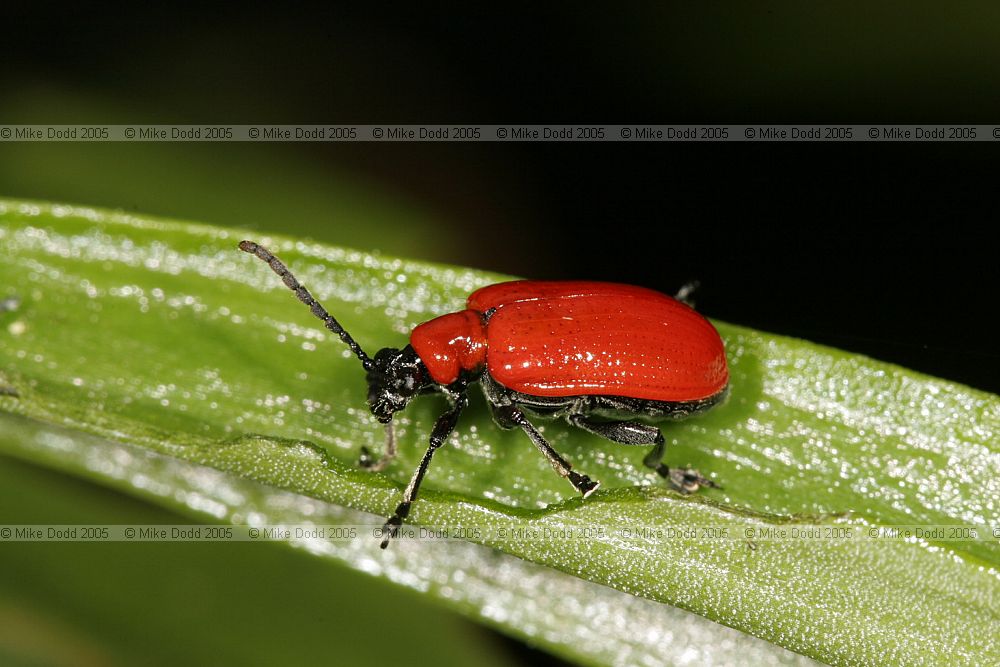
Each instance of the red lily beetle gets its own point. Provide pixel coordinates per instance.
(600, 355)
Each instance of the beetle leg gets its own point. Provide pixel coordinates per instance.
(687, 289)
(509, 414)
(369, 462)
(625, 433)
(684, 480)
(442, 429)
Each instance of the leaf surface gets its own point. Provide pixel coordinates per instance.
(161, 338)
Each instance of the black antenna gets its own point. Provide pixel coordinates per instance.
(306, 298)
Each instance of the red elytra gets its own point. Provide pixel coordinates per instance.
(569, 338)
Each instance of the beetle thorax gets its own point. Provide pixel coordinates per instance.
(451, 344)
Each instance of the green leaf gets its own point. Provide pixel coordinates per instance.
(160, 338)
(77, 603)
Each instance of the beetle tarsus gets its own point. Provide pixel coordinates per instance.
(686, 480)
(686, 291)
(391, 529)
(368, 461)
(582, 483)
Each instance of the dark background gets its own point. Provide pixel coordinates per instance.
(883, 249)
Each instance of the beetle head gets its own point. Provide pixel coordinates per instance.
(395, 376)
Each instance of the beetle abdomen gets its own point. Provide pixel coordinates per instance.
(613, 341)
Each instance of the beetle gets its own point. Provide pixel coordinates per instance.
(603, 356)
